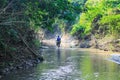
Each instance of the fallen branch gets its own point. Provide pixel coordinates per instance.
(31, 50)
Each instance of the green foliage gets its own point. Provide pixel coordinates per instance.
(13, 49)
(42, 14)
(79, 29)
(2, 3)
(99, 14)
(37, 43)
(112, 22)
(13, 33)
(27, 17)
(88, 16)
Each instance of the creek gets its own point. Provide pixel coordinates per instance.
(70, 64)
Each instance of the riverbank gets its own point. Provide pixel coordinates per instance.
(106, 44)
(24, 60)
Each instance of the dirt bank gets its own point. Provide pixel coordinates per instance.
(106, 44)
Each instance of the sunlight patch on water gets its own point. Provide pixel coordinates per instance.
(67, 71)
(60, 73)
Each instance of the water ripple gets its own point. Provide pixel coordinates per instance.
(60, 73)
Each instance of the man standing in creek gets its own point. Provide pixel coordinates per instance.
(58, 41)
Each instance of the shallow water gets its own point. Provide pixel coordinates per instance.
(70, 64)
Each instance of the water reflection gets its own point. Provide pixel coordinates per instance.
(68, 64)
(58, 56)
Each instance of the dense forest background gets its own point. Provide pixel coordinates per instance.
(99, 16)
(99, 21)
(21, 20)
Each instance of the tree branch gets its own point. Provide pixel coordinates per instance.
(6, 7)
